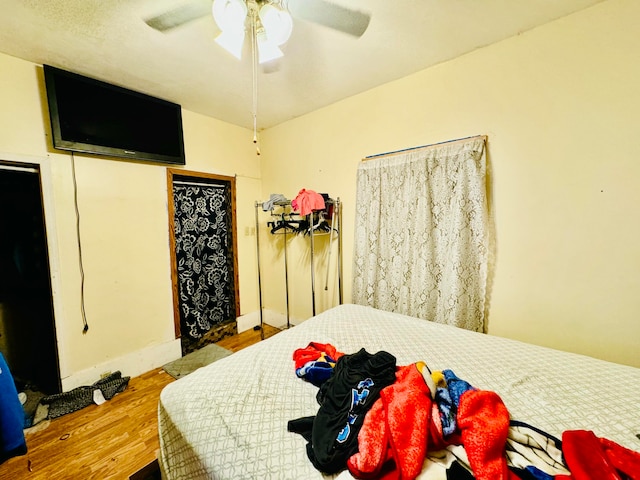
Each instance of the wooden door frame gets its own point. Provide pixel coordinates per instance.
(192, 175)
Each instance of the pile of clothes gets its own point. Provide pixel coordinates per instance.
(380, 420)
(106, 388)
(20, 411)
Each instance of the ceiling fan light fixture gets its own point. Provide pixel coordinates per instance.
(229, 14)
(267, 49)
(277, 23)
(232, 41)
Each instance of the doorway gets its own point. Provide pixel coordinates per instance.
(27, 325)
(204, 257)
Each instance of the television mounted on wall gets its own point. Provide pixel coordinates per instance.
(92, 116)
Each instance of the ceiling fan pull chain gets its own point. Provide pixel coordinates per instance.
(254, 62)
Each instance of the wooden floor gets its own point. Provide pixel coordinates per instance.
(110, 441)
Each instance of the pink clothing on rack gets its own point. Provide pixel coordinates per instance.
(307, 201)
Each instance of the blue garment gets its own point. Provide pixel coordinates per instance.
(12, 441)
(447, 411)
(447, 399)
(317, 371)
(456, 386)
(538, 474)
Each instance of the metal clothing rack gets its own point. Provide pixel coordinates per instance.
(336, 224)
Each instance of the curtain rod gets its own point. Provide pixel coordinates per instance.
(378, 155)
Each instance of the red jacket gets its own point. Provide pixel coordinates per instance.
(400, 429)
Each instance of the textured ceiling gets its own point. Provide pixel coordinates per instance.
(109, 40)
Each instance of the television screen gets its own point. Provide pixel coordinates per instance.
(92, 116)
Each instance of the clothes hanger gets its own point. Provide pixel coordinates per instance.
(293, 225)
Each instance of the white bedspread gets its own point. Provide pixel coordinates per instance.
(229, 420)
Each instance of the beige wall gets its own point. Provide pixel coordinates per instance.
(124, 231)
(561, 107)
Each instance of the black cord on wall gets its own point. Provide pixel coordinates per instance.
(75, 202)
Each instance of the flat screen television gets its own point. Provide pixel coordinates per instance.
(91, 116)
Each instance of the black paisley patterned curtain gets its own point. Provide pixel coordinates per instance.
(204, 257)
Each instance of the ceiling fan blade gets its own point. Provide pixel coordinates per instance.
(330, 15)
(180, 15)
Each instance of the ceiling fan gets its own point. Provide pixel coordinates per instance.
(269, 23)
(271, 20)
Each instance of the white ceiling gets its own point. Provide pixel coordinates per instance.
(109, 40)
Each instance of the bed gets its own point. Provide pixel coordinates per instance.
(229, 420)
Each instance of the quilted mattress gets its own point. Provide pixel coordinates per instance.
(229, 420)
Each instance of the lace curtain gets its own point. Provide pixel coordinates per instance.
(421, 234)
